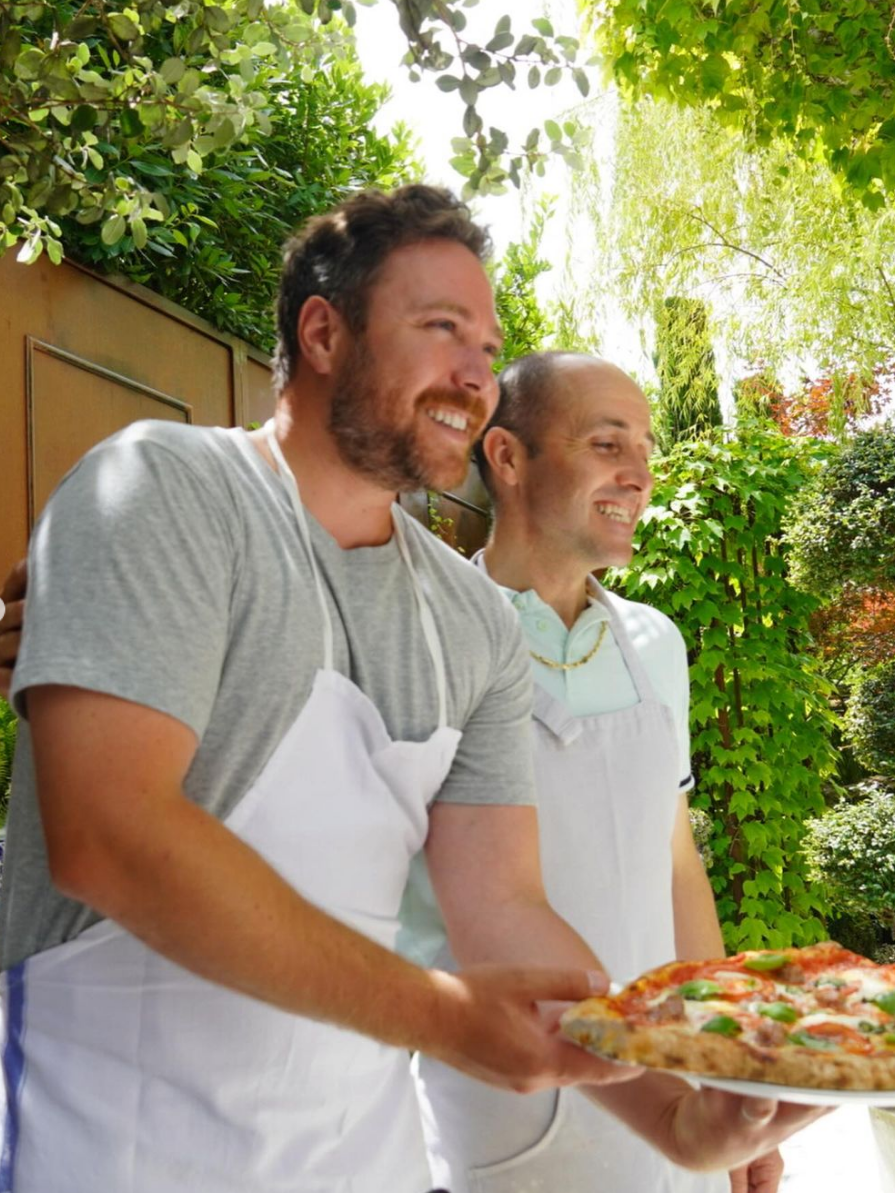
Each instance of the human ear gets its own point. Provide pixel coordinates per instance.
(320, 332)
(503, 452)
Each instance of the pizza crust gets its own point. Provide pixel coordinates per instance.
(597, 1026)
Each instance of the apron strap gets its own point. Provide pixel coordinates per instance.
(427, 621)
(554, 715)
(305, 534)
(639, 676)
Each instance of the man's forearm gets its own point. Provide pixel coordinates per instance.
(701, 1129)
(697, 933)
(194, 892)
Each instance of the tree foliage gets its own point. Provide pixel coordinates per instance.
(870, 719)
(831, 407)
(817, 75)
(711, 556)
(219, 247)
(856, 630)
(843, 529)
(851, 854)
(687, 404)
(525, 322)
(84, 82)
(529, 324)
(795, 272)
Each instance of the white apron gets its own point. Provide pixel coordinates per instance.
(125, 1073)
(607, 799)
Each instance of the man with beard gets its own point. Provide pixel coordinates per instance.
(249, 705)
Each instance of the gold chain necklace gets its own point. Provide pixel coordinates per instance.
(578, 662)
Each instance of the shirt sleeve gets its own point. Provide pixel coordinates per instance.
(130, 577)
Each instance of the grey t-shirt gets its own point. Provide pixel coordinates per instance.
(168, 570)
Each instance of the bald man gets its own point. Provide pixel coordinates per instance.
(566, 462)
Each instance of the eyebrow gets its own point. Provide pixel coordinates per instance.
(458, 309)
(621, 425)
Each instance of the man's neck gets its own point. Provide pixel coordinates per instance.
(519, 562)
(354, 509)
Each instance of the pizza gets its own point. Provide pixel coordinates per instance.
(819, 1017)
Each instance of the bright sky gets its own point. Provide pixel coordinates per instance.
(436, 117)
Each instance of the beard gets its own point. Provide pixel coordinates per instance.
(365, 421)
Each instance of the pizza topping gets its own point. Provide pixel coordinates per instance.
(770, 1034)
(669, 1010)
(885, 1002)
(793, 975)
(724, 1025)
(766, 961)
(844, 1036)
(700, 990)
(783, 1012)
(834, 996)
(808, 1040)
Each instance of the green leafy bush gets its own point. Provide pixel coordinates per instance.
(710, 555)
(851, 853)
(844, 524)
(870, 719)
(7, 749)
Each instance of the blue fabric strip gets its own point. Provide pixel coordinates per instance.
(13, 1071)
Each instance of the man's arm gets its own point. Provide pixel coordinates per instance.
(485, 870)
(123, 838)
(12, 595)
(697, 933)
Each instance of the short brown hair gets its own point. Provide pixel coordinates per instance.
(526, 390)
(338, 255)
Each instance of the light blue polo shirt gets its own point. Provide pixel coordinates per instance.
(604, 684)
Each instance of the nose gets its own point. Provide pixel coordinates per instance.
(474, 373)
(635, 473)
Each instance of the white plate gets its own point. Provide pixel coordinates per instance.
(797, 1093)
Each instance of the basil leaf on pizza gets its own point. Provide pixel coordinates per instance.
(819, 1017)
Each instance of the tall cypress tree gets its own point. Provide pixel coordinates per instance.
(687, 403)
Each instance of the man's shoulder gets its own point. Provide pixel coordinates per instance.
(455, 568)
(638, 618)
(157, 454)
(189, 443)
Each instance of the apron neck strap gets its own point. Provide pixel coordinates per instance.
(305, 533)
(427, 621)
(639, 676)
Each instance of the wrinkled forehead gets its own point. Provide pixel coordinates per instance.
(588, 395)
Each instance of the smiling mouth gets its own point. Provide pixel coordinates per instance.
(454, 419)
(615, 513)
